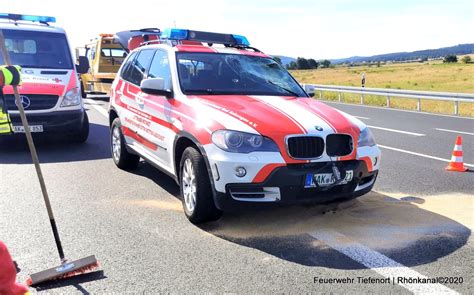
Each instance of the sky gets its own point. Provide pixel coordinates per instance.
(306, 28)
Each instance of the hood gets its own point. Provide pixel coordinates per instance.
(279, 116)
(45, 81)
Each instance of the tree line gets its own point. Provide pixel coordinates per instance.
(302, 63)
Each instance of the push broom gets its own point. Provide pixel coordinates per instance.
(67, 268)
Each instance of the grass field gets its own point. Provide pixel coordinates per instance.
(427, 76)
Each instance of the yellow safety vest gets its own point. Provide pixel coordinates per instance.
(5, 123)
(10, 75)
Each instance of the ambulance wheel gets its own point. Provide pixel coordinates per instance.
(122, 158)
(82, 134)
(195, 188)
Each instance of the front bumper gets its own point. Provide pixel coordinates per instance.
(61, 122)
(285, 185)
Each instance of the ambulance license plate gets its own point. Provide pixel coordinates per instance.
(325, 179)
(33, 128)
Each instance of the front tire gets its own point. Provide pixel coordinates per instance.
(82, 134)
(83, 92)
(195, 188)
(122, 158)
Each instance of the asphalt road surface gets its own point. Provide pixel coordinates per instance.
(415, 225)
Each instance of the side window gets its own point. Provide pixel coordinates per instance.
(125, 69)
(160, 68)
(138, 68)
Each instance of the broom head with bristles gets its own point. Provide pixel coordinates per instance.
(65, 270)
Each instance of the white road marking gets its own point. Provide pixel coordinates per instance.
(392, 109)
(97, 106)
(454, 131)
(396, 130)
(379, 263)
(360, 117)
(419, 154)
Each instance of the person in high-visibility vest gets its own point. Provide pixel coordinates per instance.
(9, 75)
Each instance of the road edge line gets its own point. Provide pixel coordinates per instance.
(419, 154)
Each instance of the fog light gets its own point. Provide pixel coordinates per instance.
(240, 172)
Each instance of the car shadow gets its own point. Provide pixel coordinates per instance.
(53, 149)
(158, 177)
(399, 229)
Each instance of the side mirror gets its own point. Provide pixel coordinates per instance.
(155, 86)
(309, 89)
(83, 66)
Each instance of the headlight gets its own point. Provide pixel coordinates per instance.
(366, 138)
(242, 142)
(72, 98)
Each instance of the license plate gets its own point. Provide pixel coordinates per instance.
(33, 128)
(325, 179)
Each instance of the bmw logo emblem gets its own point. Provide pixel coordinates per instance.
(25, 101)
(319, 128)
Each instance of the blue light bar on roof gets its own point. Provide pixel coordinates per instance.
(205, 37)
(174, 34)
(241, 40)
(31, 18)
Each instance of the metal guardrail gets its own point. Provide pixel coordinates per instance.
(389, 93)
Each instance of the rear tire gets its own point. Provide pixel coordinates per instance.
(195, 187)
(122, 158)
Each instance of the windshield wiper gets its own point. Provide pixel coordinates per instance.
(283, 88)
(194, 91)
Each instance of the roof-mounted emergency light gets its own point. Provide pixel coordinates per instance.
(206, 37)
(31, 18)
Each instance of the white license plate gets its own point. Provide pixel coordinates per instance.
(325, 179)
(33, 128)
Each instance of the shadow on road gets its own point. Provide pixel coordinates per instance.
(396, 228)
(163, 180)
(72, 281)
(399, 228)
(51, 149)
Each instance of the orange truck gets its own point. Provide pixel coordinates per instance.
(105, 56)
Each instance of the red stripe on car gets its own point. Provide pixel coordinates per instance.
(368, 163)
(265, 172)
(128, 132)
(194, 48)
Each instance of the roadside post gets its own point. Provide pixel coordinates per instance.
(362, 78)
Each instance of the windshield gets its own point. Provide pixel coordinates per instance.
(113, 52)
(37, 49)
(219, 73)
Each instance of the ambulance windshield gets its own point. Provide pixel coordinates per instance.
(31, 49)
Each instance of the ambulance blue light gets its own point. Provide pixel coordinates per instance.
(241, 40)
(32, 18)
(174, 34)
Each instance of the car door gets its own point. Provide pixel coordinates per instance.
(161, 131)
(129, 97)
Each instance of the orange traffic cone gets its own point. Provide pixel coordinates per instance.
(457, 163)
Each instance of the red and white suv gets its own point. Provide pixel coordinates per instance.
(233, 127)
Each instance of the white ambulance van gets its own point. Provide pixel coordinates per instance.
(50, 92)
